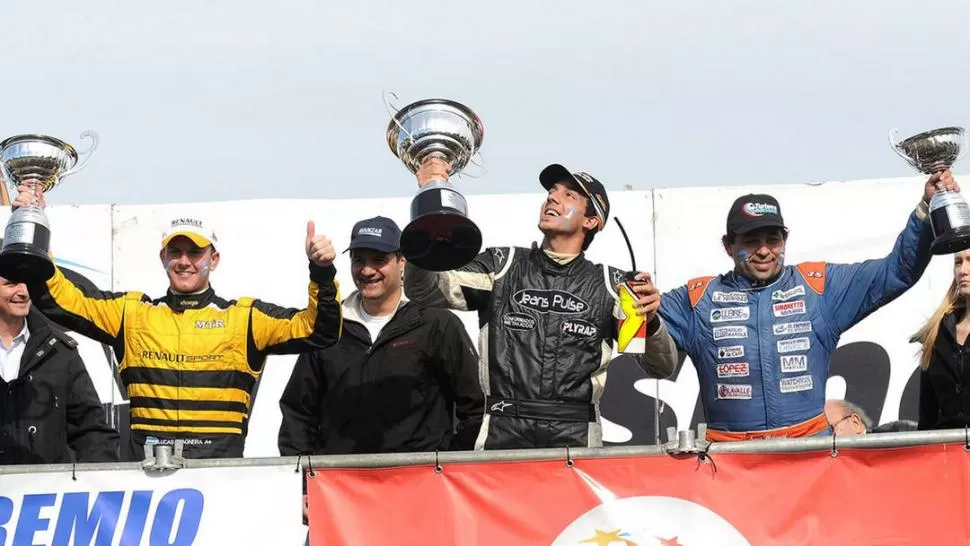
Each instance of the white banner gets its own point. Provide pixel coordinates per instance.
(255, 505)
(675, 234)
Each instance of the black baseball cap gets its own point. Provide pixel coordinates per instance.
(753, 211)
(377, 233)
(556, 173)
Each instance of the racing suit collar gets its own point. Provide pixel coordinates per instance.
(745, 283)
(549, 265)
(182, 302)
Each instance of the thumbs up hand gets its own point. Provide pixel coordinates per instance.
(319, 249)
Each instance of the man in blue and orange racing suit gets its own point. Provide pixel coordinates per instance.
(761, 336)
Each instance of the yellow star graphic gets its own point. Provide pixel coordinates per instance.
(603, 538)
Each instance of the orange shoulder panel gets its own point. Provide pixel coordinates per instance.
(814, 274)
(696, 288)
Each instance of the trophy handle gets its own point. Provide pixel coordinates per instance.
(963, 148)
(478, 160)
(95, 139)
(388, 105)
(392, 110)
(894, 144)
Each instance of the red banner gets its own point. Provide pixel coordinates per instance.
(872, 497)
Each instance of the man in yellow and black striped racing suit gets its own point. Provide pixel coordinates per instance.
(190, 359)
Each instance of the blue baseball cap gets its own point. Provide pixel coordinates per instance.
(377, 233)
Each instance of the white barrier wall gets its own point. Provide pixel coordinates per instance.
(675, 234)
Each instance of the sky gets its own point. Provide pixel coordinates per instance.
(228, 100)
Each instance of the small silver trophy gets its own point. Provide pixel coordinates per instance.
(39, 162)
(440, 236)
(932, 152)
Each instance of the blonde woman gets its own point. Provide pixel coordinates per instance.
(944, 400)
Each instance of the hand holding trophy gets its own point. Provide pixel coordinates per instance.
(39, 162)
(440, 236)
(933, 152)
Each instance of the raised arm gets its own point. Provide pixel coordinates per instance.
(75, 303)
(465, 289)
(280, 330)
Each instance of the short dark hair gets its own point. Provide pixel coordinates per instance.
(590, 213)
(730, 237)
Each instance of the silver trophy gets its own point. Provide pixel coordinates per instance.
(932, 152)
(440, 236)
(40, 162)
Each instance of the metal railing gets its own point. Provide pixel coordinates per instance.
(166, 458)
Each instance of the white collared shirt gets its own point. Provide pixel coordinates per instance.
(10, 356)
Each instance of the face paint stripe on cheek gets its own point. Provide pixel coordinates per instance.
(570, 211)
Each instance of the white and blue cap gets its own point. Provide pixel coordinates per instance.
(378, 233)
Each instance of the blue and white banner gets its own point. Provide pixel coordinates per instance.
(252, 505)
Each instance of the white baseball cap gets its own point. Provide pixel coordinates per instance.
(197, 230)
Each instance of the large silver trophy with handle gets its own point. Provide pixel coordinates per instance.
(40, 162)
(440, 236)
(932, 152)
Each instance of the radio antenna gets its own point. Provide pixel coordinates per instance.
(633, 259)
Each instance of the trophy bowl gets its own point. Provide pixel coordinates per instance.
(441, 127)
(931, 152)
(36, 159)
(42, 162)
(440, 236)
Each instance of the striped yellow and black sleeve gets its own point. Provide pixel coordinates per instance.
(74, 302)
(282, 330)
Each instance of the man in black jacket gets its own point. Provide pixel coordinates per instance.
(402, 378)
(49, 410)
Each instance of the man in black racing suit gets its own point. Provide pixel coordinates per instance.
(548, 318)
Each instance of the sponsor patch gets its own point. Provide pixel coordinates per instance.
(209, 324)
(730, 332)
(792, 345)
(786, 328)
(782, 295)
(732, 369)
(550, 301)
(730, 314)
(794, 363)
(731, 351)
(796, 384)
(789, 308)
(733, 392)
(518, 321)
(730, 297)
(757, 209)
(578, 327)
